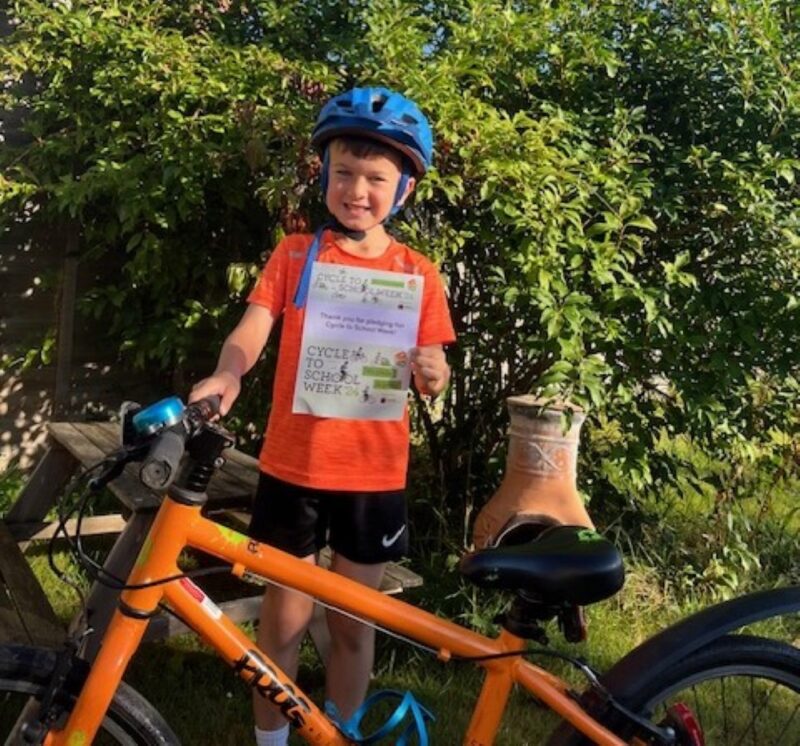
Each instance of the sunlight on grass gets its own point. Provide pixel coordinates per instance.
(204, 702)
(181, 676)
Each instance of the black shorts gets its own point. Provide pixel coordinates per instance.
(365, 527)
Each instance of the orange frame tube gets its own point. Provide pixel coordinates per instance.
(177, 526)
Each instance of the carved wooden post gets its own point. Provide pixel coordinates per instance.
(540, 475)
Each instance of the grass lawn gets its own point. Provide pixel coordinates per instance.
(205, 703)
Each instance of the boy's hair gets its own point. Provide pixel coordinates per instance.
(364, 147)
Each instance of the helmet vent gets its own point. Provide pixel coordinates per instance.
(381, 114)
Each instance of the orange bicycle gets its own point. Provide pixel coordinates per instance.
(691, 684)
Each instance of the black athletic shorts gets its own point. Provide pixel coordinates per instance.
(365, 527)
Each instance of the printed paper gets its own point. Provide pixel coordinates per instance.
(360, 326)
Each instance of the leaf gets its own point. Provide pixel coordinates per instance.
(643, 222)
(599, 228)
(786, 172)
(134, 241)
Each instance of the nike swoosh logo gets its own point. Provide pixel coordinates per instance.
(387, 542)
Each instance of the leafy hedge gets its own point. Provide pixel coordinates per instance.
(614, 201)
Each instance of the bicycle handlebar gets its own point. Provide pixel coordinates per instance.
(163, 459)
(206, 408)
(161, 463)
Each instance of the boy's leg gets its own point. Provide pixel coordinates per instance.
(352, 643)
(287, 517)
(367, 530)
(283, 621)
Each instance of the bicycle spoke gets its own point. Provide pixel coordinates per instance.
(698, 710)
(754, 714)
(720, 709)
(724, 710)
(785, 731)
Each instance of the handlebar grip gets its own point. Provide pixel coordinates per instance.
(208, 406)
(158, 469)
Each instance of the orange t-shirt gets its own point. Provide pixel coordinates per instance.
(332, 453)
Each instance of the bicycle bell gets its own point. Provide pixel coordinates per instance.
(158, 416)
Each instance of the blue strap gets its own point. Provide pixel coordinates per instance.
(323, 174)
(401, 187)
(301, 294)
(408, 703)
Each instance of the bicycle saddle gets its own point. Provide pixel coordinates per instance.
(563, 564)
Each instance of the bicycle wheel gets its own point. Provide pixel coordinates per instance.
(738, 689)
(24, 673)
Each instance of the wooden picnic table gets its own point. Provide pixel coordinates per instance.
(79, 445)
(25, 612)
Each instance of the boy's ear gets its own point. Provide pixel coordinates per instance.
(412, 182)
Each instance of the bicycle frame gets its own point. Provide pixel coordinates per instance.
(178, 526)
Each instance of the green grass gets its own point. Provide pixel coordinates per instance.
(205, 702)
(11, 482)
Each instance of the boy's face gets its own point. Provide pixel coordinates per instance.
(361, 189)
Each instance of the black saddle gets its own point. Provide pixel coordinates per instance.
(562, 565)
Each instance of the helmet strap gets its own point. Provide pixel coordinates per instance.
(334, 224)
(323, 174)
(401, 190)
(301, 292)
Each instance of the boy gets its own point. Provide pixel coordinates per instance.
(332, 477)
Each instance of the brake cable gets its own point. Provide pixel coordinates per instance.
(94, 569)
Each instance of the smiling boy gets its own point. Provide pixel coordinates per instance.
(328, 479)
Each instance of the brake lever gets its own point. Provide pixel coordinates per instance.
(127, 430)
(109, 475)
(118, 461)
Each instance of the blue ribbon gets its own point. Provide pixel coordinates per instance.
(408, 703)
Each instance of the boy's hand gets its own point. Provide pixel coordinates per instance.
(224, 384)
(430, 369)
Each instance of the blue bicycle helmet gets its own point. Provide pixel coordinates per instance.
(380, 114)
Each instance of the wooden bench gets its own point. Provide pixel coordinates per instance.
(73, 446)
(25, 613)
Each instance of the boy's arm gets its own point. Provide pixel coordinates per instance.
(239, 353)
(430, 369)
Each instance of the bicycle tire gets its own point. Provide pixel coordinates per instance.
(766, 669)
(131, 720)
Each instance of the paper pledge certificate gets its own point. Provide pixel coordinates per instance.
(360, 325)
